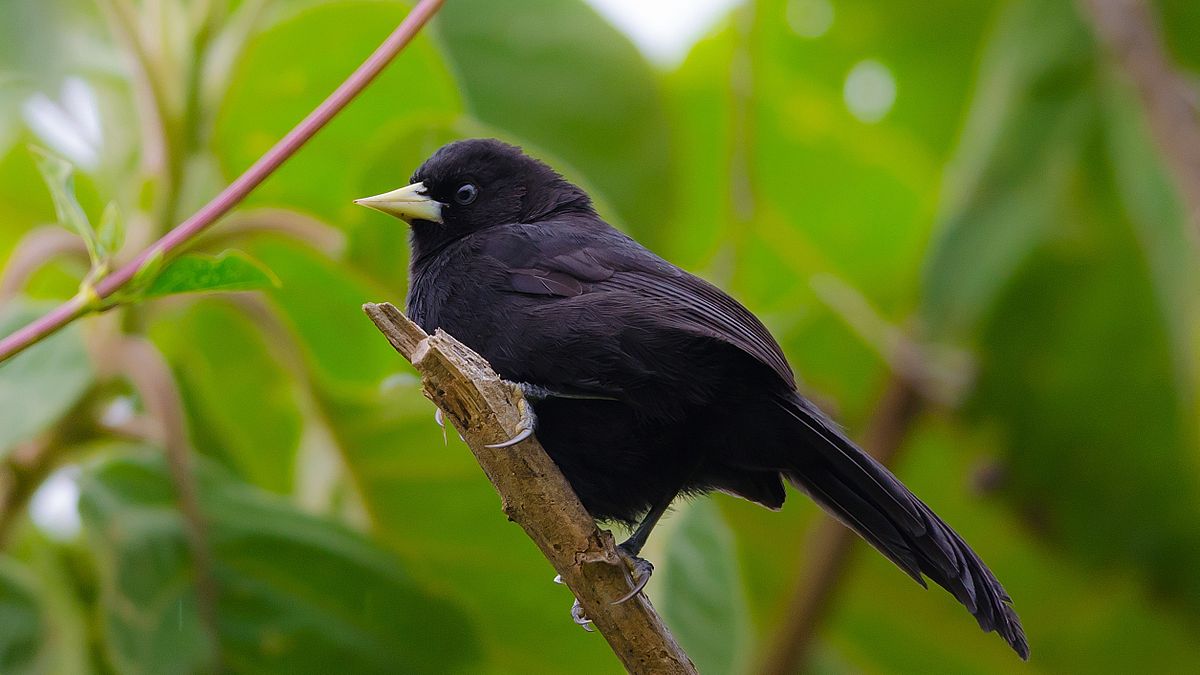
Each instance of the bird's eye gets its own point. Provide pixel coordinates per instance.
(466, 194)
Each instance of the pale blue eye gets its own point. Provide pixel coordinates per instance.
(466, 194)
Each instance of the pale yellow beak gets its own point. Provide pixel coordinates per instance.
(409, 203)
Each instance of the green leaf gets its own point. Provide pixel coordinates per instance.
(22, 622)
(42, 383)
(241, 399)
(700, 589)
(1066, 258)
(322, 301)
(1025, 133)
(296, 593)
(194, 273)
(432, 505)
(59, 177)
(323, 178)
(110, 235)
(553, 73)
(144, 276)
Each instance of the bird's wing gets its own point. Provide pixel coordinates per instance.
(565, 262)
(703, 310)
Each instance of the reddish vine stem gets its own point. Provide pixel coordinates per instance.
(237, 190)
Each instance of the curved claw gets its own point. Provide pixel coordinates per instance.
(644, 570)
(440, 418)
(521, 435)
(580, 618)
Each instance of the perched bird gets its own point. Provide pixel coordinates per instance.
(647, 382)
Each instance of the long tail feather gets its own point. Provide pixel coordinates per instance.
(865, 496)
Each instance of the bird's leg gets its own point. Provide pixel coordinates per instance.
(632, 546)
(629, 548)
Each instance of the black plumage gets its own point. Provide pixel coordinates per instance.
(653, 382)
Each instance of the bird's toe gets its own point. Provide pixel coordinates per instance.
(580, 618)
(642, 570)
(526, 428)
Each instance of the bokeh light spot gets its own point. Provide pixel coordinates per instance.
(870, 91)
(810, 18)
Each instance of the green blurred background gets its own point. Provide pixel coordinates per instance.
(960, 199)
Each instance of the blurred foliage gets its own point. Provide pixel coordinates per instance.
(1009, 202)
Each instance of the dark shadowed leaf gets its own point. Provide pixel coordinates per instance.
(700, 589)
(42, 383)
(22, 624)
(1024, 136)
(297, 594)
(554, 73)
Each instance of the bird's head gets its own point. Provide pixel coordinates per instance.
(470, 185)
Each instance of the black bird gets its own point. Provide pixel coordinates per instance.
(647, 382)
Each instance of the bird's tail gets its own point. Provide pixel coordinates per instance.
(867, 498)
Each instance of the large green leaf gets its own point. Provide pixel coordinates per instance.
(429, 501)
(241, 399)
(296, 593)
(22, 624)
(554, 73)
(42, 383)
(699, 588)
(322, 301)
(778, 181)
(1066, 255)
(1020, 152)
(335, 38)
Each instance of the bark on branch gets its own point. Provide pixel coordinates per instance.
(534, 493)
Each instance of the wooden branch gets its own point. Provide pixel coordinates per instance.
(533, 492)
(1130, 33)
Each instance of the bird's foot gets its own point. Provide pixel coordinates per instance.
(527, 425)
(577, 614)
(580, 618)
(642, 569)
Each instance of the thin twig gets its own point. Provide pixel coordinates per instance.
(832, 543)
(1130, 32)
(534, 493)
(238, 189)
